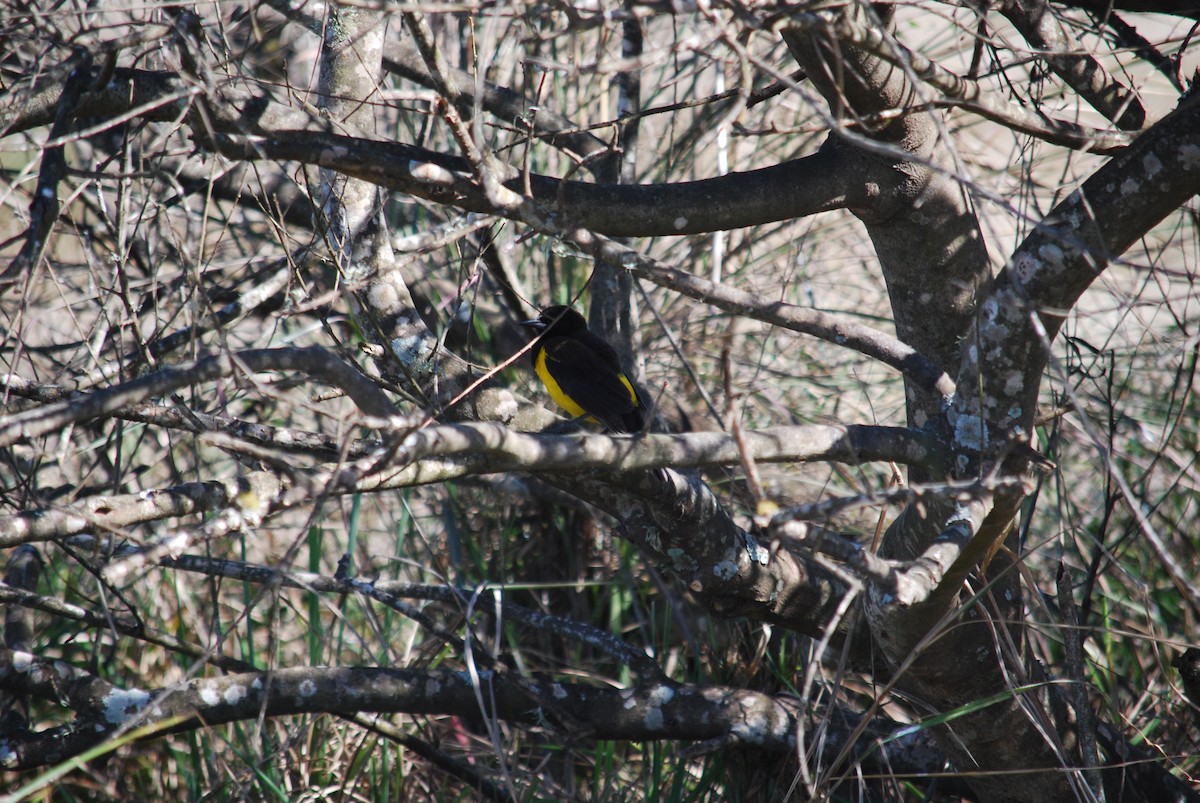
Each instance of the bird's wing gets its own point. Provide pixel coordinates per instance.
(590, 381)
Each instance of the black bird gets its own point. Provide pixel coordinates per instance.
(582, 372)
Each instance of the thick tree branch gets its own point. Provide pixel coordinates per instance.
(680, 524)
(1053, 266)
(942, 650)
(581, 211)
(935, 575)
(798, 188)
(714, 714)
(250, 496)
(922, 222)
(521, 451)
(435, 454)
(793, 189)
(352, 220)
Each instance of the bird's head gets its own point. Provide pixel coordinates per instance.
(561, 318)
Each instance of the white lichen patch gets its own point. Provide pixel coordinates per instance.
(558, 691)
(430, 173)
(1024, 267)
(680, 223)
(1189, 155)
(507, 406)
(408, 350)
(658, 697)
(1013, 383)
(681, 560)
(990, 310)
(653, 539)
(432, 687)
(971, 432)
(961, 513)
(307, 688)
(382, 295)
(758, 553)
(1152, 165)
(208, 693)
(235, 694)
(725, 570)
(1129, 186)
(753, 730)
(1052, 254)
(661, 695)
(120, 704)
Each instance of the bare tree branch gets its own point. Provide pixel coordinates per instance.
(45, 206)
(436, 453)
(1038, 23)
(963, 93)
(178, 416)
(727, 716)
(312, 361)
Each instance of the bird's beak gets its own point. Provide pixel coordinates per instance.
(537, 324)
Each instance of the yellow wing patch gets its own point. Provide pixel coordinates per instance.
(560, 398)
(633, 397)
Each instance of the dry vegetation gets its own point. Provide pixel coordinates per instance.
(163, 253)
